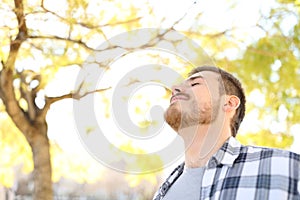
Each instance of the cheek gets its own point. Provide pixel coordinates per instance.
(205, 108)
(201, 92)
(203, 98)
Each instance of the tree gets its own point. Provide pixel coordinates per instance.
(72, 38)
(270, 67)
(22, 86)
(32, 123)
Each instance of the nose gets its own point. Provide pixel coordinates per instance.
(177, 88)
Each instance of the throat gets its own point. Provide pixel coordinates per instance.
(194, 141)
(201, 143)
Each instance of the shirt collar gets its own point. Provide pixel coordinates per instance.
(227, 154)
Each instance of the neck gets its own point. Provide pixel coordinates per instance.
(203, 141)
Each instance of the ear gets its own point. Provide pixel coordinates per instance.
(232, 103)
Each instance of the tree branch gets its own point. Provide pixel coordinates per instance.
(7, 76)
(19, 11)
(90, 26)
(75, 95)
(266, 53)
(62, 39)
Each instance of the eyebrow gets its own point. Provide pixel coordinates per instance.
(194, 76)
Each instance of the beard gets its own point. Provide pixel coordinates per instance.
(179, 117)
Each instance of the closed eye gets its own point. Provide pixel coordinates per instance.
(194, 84)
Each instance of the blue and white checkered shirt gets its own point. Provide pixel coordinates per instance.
(244, 172)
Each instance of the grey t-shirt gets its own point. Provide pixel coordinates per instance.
(187, 186)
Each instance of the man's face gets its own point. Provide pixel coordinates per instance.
(195, 101)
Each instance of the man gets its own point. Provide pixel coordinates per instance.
(206, 110)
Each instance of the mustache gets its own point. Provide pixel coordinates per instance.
(180, 94)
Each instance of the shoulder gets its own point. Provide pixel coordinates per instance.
(261, 161)
(252, 153)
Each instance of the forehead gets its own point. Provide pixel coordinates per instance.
(211, 79)
(206, 75)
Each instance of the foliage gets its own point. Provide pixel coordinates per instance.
(15, 152)
(266, 139)
(154, 160)
(60, 34)
(269, 67)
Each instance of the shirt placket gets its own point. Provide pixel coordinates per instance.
(206, 182)
(211, 179)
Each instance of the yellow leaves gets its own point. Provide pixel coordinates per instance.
(133, 179)
(89, 129)
(103, 109)
(128, 147)
(144, 124)
(297, 3)
(267, 139)
(78, 167)
(6, 177)
(168, 93)
(23, 104)
(14, 151)
(2, 107)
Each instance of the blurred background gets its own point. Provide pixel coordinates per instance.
(45, 43)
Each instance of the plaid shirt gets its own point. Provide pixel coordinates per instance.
(246, 172)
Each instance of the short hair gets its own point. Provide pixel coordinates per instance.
(232, 86)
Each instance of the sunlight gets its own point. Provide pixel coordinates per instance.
(244, 14)
(101, 73)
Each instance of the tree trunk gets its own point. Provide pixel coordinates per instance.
(34, 127)
(42, 164)
(35, 133)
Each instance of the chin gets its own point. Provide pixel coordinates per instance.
(173, 117)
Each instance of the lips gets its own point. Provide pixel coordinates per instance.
(178, 97)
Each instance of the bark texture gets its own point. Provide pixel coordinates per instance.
(31, 122)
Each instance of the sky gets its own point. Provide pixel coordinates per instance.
(215, 13)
